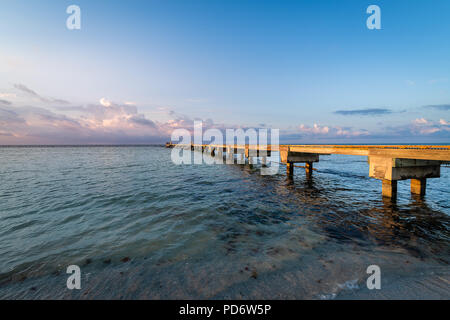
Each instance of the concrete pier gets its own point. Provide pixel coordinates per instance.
(386, 163)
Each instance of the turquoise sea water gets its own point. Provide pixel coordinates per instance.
(141, 227)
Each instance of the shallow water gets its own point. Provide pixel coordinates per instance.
(141, 227)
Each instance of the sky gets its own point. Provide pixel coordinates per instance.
(137, 70)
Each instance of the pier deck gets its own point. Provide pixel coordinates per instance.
(388, 163)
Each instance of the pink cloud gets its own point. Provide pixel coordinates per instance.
(315, 129)
(328, 131)
(105, 122)
(426, 127)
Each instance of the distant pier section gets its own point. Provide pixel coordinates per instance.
(388, 163)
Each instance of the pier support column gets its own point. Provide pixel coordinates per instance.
(419, 186)
(389, 189)
(241, 159)
(251, 154)
(308, 169)
(389, 170)
(290, 170)
(264, 161)
(230, 155)
(223, 152)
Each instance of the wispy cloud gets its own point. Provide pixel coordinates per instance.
(5, 102)
(443, 107)
(31, 93)
(364, 112)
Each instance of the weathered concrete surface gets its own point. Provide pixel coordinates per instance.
(399, 169)
(389, 188)
(309, 169)
(418, 186)
(292, 157)
(290, 170)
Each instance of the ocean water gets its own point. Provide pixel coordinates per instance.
(141, 227)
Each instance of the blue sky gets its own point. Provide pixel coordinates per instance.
(310, 68)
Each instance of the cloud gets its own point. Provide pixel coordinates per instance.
(34, 125)
(9, 117)
(104, 102)
(103, 123)
(426, 127)
(364, 112)
(25, 89)
(315, 129)
(443, 107)
(419, 130)
(420, 121)
(7, 95)
(33, 94)
(123, 124)
(321, 133)
(107, 122)
(140, 120)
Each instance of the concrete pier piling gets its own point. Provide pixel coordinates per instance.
(395, 169)
(389, 188)
(389, 164)
(418, 186)
(290, 170)
(308, 169)
(264, 161)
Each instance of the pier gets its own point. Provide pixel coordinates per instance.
(387, 163)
